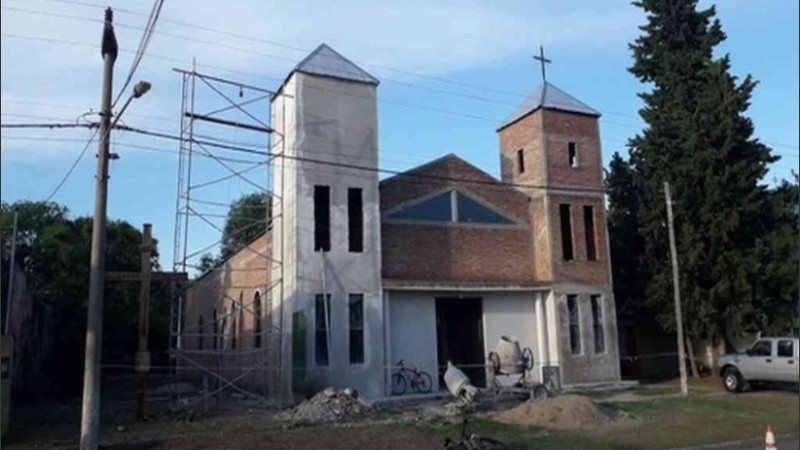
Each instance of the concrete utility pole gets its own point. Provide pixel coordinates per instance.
(11, 275)
(143, 355)
(677, 293)
(90, 414)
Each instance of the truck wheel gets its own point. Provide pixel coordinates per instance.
(732, 380)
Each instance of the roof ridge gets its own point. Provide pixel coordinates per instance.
(336, 66)
(548, 96)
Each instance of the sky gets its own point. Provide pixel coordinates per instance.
(450, 72)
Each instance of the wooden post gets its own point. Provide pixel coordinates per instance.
(676, 290)
(143, 355)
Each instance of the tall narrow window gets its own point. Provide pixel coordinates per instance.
(355, 220)
(257, 314)
(588, 231)
(214, 327)
(597, 325)
(574, 324)
(322, 316)
(200, 332)
(521, 160)
(233, 326)
(223, 343)
(241, 321)
(356, 313)
(322, 218)
(572, 154)
(566, 232)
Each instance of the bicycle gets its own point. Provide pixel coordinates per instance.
(473, 441)
(419, 380)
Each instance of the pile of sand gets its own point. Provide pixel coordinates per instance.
(564, 412)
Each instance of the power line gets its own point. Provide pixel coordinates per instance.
(43, 125)
(292, 60)
(72, 167)
(365, 168)
(143, 43)
(400, 103)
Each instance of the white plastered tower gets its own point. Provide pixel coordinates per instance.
(325, 116)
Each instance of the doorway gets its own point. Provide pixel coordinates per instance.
(459, 337)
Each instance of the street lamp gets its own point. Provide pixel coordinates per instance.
(139, 90)
(90, 408)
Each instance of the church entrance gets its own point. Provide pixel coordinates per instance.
(459, 337)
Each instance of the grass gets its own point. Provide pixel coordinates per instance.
(663, 423)
(709, 416)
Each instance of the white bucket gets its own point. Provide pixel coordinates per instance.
(455, 379)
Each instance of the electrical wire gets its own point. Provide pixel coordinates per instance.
(72, 167)
(143, 44)
(399, 103)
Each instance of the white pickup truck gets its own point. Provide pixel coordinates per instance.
(769, 360)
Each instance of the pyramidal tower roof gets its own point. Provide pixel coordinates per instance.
(548, 96)
(327, 62)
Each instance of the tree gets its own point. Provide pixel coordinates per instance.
(698, 139)
(207, 262)
(33, 218)
(57, 252)
(625, 240)
(247, 219)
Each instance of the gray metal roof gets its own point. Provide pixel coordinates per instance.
(548, 96)
(327, 62)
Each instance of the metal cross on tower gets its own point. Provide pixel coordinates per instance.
(542, 60)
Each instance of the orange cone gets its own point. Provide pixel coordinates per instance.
(770, 439)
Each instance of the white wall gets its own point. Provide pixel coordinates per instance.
(413, 332)
(510, 315)
(332, 121)
(412, 317)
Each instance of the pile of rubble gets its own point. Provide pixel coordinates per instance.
(328, 405)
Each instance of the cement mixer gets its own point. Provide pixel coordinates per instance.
(509, 360)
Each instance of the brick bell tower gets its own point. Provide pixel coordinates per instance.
(550, 147)
(551, 143)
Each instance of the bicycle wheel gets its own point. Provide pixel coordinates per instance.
(539, 393)
(398, 384)
(487, 443)
(422, 383)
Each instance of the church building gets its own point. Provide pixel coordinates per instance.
(428, 266)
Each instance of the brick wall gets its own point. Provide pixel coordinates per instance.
(523, 135)
(580, 269)
(560, 129)
(239, 277)
(456, 252)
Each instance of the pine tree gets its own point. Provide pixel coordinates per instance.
(698, 139)
(626, 243)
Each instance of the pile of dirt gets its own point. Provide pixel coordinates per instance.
(563, 412)
(328, 405)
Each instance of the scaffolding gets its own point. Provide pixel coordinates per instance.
(251, 371)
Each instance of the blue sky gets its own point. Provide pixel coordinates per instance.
(450, 72)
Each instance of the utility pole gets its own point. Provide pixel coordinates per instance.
(143, 355)
(677, 293)
(90, 414)
(11, 274)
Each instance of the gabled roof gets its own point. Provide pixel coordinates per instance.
(326, 62)
(548, 96)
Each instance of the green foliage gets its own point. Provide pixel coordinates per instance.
(247, 219)
(625, 240)
(57, 252)
(698, 139)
